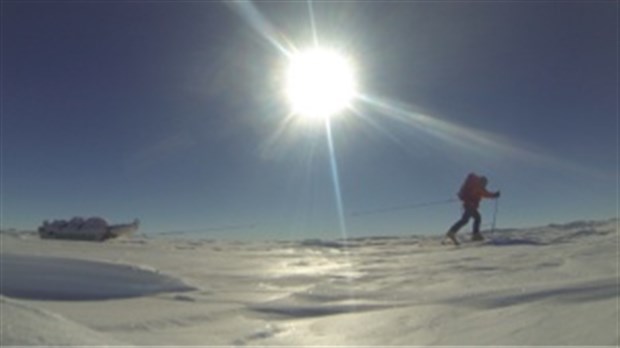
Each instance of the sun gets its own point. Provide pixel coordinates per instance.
(320, 83)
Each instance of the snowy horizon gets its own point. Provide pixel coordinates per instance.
(223, 232)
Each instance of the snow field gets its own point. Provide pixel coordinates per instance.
(553, 285)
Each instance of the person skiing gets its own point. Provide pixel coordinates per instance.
(471, 193)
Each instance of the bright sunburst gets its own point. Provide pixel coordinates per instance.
(319, 83)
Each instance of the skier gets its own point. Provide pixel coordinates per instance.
(471, 193)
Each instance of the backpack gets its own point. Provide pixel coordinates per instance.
(469, 186)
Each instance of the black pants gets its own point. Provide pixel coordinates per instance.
(470, 212)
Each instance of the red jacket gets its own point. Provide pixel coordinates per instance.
(473, 190)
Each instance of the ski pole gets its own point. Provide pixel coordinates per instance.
(495, 214)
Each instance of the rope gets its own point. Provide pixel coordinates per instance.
(354, 215)
(402, 207)
(208, 229)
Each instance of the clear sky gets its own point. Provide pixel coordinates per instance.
(172, 112)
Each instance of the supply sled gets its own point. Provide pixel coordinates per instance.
(93, 229)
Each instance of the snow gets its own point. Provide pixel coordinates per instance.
(551, 285)
(23, 325)
(53, 278)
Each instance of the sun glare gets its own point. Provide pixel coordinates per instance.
(319, 83)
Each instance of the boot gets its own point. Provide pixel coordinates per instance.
(452, 236)
(477, 236)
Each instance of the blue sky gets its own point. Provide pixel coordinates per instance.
(170, 111)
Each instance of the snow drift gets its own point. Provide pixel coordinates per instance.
(53, 278)
(25, 325)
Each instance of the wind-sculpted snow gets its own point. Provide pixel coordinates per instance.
(25, 325)
(598, 290)
(53, 278)
(552, 285)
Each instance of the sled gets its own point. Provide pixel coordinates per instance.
(91, 229)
